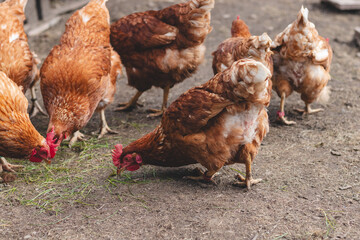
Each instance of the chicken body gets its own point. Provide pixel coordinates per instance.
(302, 61)
(18, 137)
(219, 123)
(76, 77)
(242, 45)
(162, 48)
(16, 59)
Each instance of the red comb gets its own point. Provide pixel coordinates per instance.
(238, 17)
(327, 39)
(116, 153)
(51, 143)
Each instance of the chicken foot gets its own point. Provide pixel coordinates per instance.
(157, 112)
(77, 136)
(248, 180)
(202, 176)
(309, 110)
(281, 113)
(131, 104)
(35, 107)
(4, 165)
(104, 128)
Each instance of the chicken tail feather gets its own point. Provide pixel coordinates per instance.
(324, 95)
(202, 4)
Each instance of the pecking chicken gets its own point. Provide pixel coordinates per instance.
(18, 137)
(242, 45)
(16, 59)
(219, 123)
(162, 48)
(302, 61)
(79, 75)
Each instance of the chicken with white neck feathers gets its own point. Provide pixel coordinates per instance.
(219, 123)
(302, 61)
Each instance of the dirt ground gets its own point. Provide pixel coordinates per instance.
(311, 171)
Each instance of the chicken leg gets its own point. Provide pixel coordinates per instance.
(156, 112)
(308, 110)
(248, 181)
(35, 107)
(104, 128)
(281, 113)
(131, 104)
(5, 166)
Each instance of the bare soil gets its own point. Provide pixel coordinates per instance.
(311, 171)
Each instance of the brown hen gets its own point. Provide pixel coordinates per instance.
(16, 59)
(162, 48)
(78, 76)
(18, 137)
(301, 63)
(242, 45)
(219, 123)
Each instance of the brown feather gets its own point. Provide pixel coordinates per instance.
(162, 48)
(76, 74)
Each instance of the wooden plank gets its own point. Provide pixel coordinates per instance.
(344, 4)
(357, 35)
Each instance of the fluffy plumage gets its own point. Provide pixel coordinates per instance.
(242, 45)
(218, 123)
(162, 48)
(76, 76)
(16, 59)
(302, 61)
(18, 137)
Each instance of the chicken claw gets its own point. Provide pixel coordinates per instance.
(202, 176)
(155, 113)
(131, 104)
(159, 113)
(248, 180)
(285, 121)
(104, 126)
(126, 107)
(308, 110)
(243, 182)
(5, 166)
(77, 136)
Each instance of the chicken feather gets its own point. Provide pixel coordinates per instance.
(162, 48)
(302, 61)
(16, 59)
(78, 76)
(218, 123)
